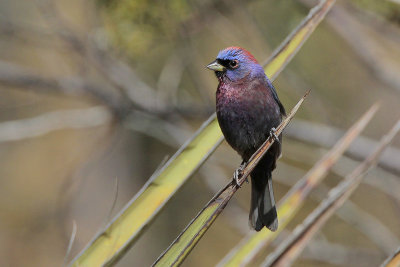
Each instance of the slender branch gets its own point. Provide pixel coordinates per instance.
(340, 255)
(354, 216)
(17, 76)
(389, 184)
(25, 32)
(326, 136)
(394, 1)
(70, 243)
(393, 260)
(52, 121)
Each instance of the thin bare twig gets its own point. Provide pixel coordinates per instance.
(393, 260)
(113, 203)
(52, 121)
(326, 136)
(151, 125)
(354, 216)
(70, 243)
(340, 255)
(394, 1)
(17, 76)
(389, 184)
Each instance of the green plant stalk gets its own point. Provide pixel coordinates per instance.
(112, 243)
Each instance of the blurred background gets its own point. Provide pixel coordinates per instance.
(94, 95)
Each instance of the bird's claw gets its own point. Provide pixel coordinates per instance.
(272, 133)
(238, 174)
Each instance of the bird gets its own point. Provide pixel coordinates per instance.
(248, 111)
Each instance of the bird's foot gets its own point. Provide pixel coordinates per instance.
(238, 174)
(236, 177)
(272, 133)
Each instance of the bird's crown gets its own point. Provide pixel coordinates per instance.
(235, 52)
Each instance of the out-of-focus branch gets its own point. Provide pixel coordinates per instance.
(389, 184)
(24, 32)
(336, 254)
(52, 121)
(151, 125)
(356, 217)
(291, 248)
(17, 76)
(144, 122)
(393, 260)
(394, 1)
(326, 136)
(384, 181)
(322, 250)
(70, 243)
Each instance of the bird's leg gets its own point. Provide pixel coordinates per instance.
(238, 173)
(272, 133)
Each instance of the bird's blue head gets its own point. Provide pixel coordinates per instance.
(235, 63)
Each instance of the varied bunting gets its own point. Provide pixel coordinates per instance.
(248, 109)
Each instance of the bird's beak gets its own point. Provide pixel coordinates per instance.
(215, 66)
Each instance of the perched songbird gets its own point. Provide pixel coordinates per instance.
(248, 109)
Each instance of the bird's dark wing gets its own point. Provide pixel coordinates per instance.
(275, 95)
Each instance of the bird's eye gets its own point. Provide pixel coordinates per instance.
(233, 64)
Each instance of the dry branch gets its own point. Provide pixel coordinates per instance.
(393, 260)
(339, 255)
(354, 216)
(52, 121)
(326, 136)
(17, 76)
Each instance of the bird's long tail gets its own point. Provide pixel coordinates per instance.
(262, 210)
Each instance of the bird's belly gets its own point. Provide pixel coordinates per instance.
(245, 131)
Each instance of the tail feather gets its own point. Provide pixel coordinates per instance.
(263, 210)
